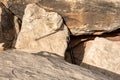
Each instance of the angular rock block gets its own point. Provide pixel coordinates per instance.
(103, 53)
(42, 31)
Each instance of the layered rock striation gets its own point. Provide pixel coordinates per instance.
(83, 17)
(18, 65)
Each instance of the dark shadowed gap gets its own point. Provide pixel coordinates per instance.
(7, 25)
(75, 51)
(8, 31)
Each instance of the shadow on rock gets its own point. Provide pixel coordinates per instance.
(99, 71)
(47, 54)
(8, 28)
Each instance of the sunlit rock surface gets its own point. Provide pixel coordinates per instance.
(42, 31)
(18, 65)
(81, 16)
(103, 53)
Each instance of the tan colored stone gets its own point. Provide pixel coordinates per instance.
(19, 65)
(42, 31)
(104, 54)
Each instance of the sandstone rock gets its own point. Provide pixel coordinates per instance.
(42, 31)
(86, 17)
(115, 38)
(77, 45)
(18, 65)
(7, 27)
(103, 53)
(81, 16)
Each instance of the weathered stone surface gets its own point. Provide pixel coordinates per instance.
(81, 16)
(8, 25)
(18, 65)
(103, 53)
(77, 45)
(42, 31)
(86, 17)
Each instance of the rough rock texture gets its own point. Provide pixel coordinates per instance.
(8, 27)
(77, 45)
(103, 53)
(18, 65)
(42, 31)
(86, 17)
(81, 16)
(44, 34)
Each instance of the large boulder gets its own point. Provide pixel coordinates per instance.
(42, 31)
(18, 65)
(81, 16)
(103, 53)
(9, 27)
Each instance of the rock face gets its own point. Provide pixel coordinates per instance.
(81, 16)
(8, 25)
(18, 65)
(42, 31)
(86, 17)
(45, 37)
(104, 54)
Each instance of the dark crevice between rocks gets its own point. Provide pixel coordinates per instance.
(73, 54)
(113, 33)
(77, 45)
(69, 56)
(8, 34)
(7, 23)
